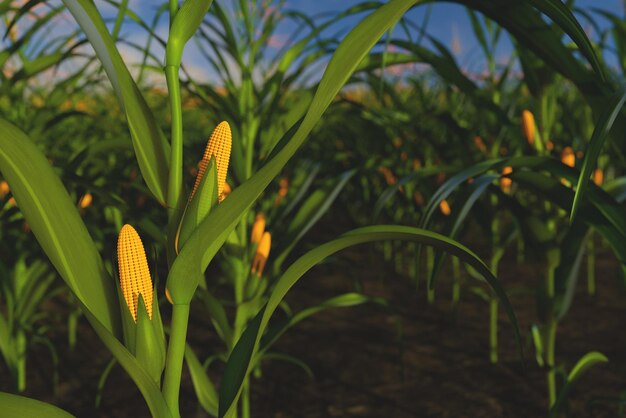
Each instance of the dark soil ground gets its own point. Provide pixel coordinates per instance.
(411, 359)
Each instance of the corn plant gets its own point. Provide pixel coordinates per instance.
(23, 287)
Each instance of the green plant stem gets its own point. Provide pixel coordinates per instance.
(173, 6)
(430, 265)
(175, 355)
(554, 256)
(493, 329)
(456, 277)
(591, 267)
(176, 155)
(550, 357)
(245, 399)
(21, 361)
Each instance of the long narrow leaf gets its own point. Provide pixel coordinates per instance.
(243, 355)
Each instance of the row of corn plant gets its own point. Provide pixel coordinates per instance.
(126, 316)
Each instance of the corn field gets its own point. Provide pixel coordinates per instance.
(271, 208)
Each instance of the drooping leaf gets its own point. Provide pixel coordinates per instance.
(243, 355)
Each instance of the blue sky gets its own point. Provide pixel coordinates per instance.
(448, 23)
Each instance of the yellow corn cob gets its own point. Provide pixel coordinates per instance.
(505, 182)
(478, 142)
(257, 228)
(567, 157)
(85, 201)
(444, 207)
(598, 177)
(133, 268)
(219, 146)
(4, 189)
(528, 126)
(262, 252)
(283, 188)
(418, 198)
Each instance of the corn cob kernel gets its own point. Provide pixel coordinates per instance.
(219, 146)
(134, 272)
(528, 126)
(257, 228)
(262, 252)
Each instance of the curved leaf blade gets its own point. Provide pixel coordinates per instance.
(149, 142)
(56, 223)
(20, 406)
(242, 357)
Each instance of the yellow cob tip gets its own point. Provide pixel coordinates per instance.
(528, 126)
(262, 252)
(257, 228)
(85, 201)
(568, 157)
(133, 269)
(4, 189)
(505, 182)
(444, 207)
(227, 190)
(219, 146)
(478, 142)
(598, 177)
(283, 188)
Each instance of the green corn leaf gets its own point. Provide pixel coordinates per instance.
(600, 132)
(213, 231)
(342, 301)
(243, 355)
(151, 148)
(56, 223)
(563, 16)
(149, 346)
(311, 211)
(143, 380)
(39, 64)
(588, 361)
(20, 406)
(567, 273)
(524, 22)
(538, 343)
(458, 218)
(186, 22)
(200, 206)
(202, 385)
